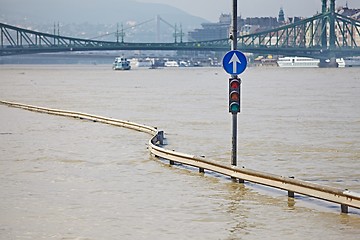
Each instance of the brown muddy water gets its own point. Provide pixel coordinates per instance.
(63, 178)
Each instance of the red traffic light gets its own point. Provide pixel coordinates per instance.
(234, 84)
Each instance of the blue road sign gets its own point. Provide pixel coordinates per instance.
(234, 62)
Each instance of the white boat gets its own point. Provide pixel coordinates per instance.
(298, 62)
(184, 64)
(341, 62)
(171, 64)
(121, 63)
(143, 62)
(304, 62)
(352, 62)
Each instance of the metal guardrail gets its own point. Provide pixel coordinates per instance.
(345, 197)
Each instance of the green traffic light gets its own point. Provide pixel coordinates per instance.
(234, 108)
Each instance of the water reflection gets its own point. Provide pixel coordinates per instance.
(291, 203)
(237, 208)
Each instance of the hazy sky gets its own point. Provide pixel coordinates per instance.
(211, 9)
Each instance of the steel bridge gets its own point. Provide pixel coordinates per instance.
(327, 35)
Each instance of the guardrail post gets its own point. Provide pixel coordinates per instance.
(201, 170)
(291, 194)
(160, 137)
(344, 208)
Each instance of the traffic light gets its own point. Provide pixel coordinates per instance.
(234, 95)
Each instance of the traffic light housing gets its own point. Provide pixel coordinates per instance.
(234, 95)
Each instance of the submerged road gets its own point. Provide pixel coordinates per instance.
(343, 197)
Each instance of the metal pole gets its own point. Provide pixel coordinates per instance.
(234, 140)
(234, 115)
(234, 26)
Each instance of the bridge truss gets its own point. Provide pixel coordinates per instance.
(326, 35)
(323, 36)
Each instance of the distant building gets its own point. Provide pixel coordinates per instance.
(212, 31)
(225, 19)
(281, 18)
(352, 13)
(249, 29)
(221, 29)
(345, 36)
(264, 23)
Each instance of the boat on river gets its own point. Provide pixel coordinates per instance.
(352, 62)
(121, 63)
(298, 62)
(171, 64)
(304, 62)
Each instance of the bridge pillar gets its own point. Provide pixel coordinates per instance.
(157, 22)
(330, 63)
(324, 6)
(324, 25)
(332, 24)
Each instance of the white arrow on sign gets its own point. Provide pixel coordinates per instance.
(234, 60)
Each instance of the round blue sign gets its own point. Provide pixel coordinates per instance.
(234, 62)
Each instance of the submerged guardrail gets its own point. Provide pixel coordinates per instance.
(345, 197)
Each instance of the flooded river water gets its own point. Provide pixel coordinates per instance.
(62, 178)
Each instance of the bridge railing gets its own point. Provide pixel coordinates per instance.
(307, 33)
(12, 36)
(292, 35)
(345, 198)
(348, 31)
(307, 37)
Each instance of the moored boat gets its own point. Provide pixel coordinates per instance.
(298, 62)
(352, 62)
(305, 62)
(139, 62)
(121, 63)
(171, 64)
